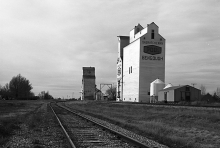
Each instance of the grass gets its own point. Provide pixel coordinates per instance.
(13, 113)
(35, 119)
(174, 127)
(7, 126)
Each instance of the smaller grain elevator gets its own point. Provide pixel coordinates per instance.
(88, 83)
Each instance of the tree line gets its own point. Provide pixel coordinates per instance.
(19, 88)
(204, 92)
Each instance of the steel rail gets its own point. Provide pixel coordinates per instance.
(134, 141)
(65, 132)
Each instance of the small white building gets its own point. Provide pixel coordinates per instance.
(141, 60)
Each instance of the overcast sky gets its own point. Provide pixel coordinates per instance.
(49, 41)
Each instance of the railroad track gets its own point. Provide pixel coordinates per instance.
(86, 131)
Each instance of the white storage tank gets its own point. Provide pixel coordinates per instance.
(155, 87)
(168, 85)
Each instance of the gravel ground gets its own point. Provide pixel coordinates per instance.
(87, 135)
(44, 132)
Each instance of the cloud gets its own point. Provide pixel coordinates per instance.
(49, 42)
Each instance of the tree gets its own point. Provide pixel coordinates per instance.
(45, 95)
(41, 95)
(0, 89)
(0, 92)
(5, 92)
(111, 92)
(217, 92)
(203, 90)
(20, 87)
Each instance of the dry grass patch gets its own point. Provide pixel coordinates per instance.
(12, 114)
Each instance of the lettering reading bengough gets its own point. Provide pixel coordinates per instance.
(152, 58)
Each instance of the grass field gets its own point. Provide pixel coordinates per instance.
(12, 114)
(174, 127)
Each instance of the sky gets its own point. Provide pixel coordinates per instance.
(49, 41)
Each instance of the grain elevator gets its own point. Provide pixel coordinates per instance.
(141, 60)
(88, 83)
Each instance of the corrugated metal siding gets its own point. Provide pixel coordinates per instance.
(89, 88)
(194, 93)
(177, 95)
(170, 96)
(131, 79)
(161, 96)
(151, 69)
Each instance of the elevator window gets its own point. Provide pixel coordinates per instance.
(187, 88)
(152, 34)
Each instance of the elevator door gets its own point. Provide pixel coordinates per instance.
(183, 95)
(165, 96)
(187, 96)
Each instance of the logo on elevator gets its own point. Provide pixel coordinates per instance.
(152, 49)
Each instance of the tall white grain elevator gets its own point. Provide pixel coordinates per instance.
(141, 60)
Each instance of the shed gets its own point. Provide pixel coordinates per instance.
(98, 94)
(179, 93)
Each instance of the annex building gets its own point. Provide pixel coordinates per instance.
(88, 84)
(141, 60)
(179, 93)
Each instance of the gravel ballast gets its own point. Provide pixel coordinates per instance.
(39, 130)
